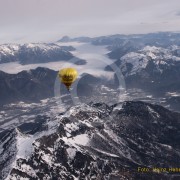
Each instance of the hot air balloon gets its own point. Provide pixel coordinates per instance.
(67, 76)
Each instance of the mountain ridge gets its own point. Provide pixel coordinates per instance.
(33, 53)
(92, 142)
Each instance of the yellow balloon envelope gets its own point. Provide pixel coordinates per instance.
(67, 76)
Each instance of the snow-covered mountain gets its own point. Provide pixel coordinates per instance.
(34, 53)
(151, 68)
(139, 60)
(95, 142)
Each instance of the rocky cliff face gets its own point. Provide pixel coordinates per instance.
(8, 151)
(97, 141)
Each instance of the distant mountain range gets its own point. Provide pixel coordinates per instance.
(80, 39)
(161, 39)
(36, 53)
(150, 62)
(94, 142)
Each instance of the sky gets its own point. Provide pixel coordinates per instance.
(49, 20)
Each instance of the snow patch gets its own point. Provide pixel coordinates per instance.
(153, 113)
(82, 139)
(71, 152)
